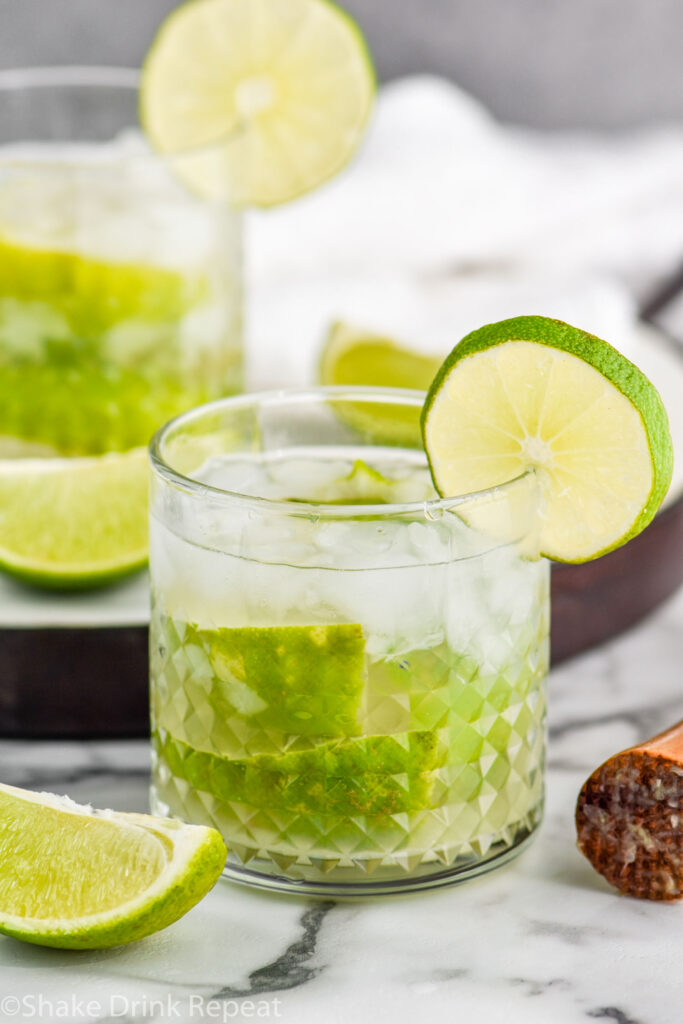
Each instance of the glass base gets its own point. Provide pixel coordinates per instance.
(427, 877)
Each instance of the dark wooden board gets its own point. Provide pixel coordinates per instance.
(71, 682)
(598, 600)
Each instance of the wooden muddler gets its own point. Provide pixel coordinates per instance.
(629, 818)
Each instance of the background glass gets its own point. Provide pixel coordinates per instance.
(120, 292)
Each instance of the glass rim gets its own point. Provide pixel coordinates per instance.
(86, 76)
(309, 509)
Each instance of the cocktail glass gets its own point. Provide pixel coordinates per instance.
(120, 294)
(347, 671)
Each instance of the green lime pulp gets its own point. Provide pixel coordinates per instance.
(92, 357)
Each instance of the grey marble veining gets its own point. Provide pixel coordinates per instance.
(542, 941)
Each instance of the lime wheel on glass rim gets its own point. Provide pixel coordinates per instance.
(535, 393)
(257, 102)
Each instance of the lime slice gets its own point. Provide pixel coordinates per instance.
(536, 393)
(82, 879)
(260, 101)
(73, 522)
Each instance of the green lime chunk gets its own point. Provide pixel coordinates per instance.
(86, 406)
(97, 879)
(365, 485)
(533, 393)
(297, 680)
(93, 295)
(375, 775)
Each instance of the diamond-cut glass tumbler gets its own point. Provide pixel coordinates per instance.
(347, 671)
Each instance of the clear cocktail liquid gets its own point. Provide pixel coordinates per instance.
(350, 701)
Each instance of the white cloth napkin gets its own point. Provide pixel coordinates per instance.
(440, 185)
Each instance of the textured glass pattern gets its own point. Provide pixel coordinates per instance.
(448, 767)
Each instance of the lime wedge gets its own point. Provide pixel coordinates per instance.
(82, 879)
(73, 522)
(353, 356)
(536, 393)
(259, 101)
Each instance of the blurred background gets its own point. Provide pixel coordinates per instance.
(549, 63)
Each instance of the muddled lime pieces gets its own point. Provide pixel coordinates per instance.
(97, 341)
(87, 296)
(87, 405)
(257, 102)
(275, 681)
(97, 878)
(370, 775)
(73, 522)
(535, 393)
(304, 680)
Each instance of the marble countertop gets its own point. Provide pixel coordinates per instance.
(542, 941)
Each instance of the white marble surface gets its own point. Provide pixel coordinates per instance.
(543, 941)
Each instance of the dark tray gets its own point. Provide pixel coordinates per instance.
(92, 682)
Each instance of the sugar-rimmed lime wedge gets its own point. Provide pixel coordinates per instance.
(258, 101)
(97, 878)
(535, 392)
